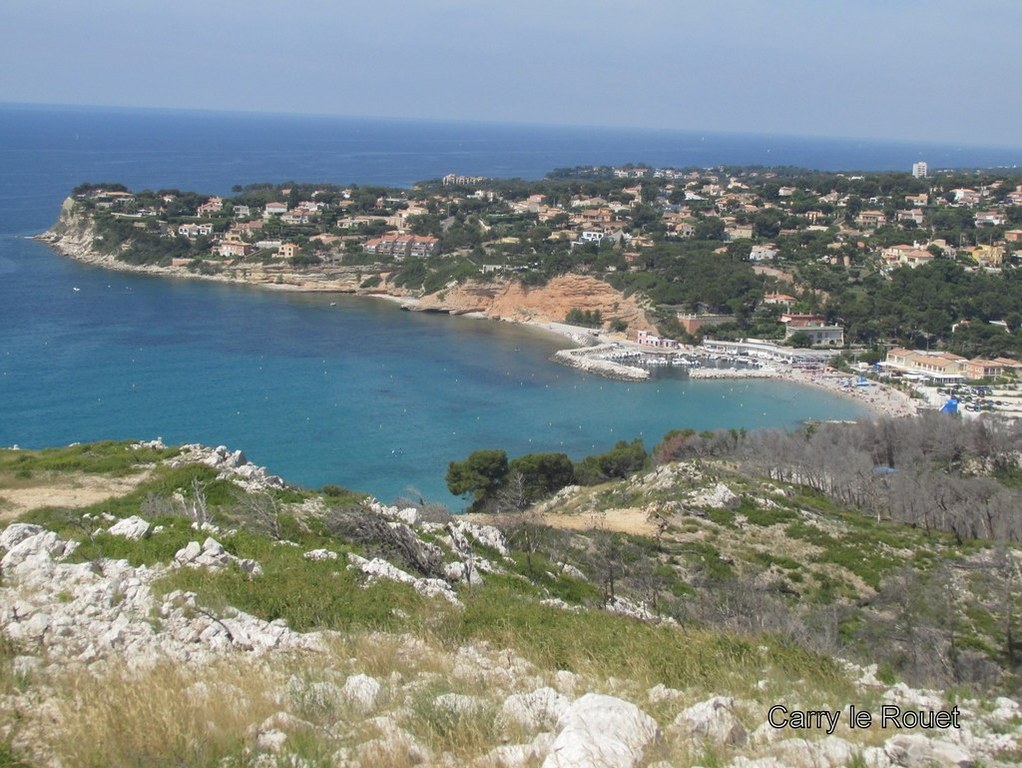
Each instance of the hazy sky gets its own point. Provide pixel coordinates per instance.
(938, 70)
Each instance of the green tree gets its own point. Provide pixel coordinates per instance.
(481, 475)
(543, 473)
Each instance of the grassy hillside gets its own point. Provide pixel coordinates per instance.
(692, 577)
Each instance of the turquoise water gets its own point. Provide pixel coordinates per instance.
(360, 394)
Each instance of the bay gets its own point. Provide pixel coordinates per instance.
(359, 394)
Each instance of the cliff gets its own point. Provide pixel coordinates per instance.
(510, 300)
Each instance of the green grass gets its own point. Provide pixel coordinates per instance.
(102, 458)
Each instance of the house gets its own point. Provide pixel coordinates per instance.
(274, 209)
(192, 231)
(871, 219)
(907, 255)
(739, 232)
(779, 299)
(234, 249)
(297, 216)
(814, 327)
(990, 219)
(401, 246)
(983, 369)
(242, 211)
(987, 255)
(920, 201)
(762, 253)
(647, 339)
(1013, 235)
(288, 250)
(213, 205)
(965, 196)
(915, 215)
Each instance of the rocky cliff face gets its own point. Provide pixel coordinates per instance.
(509, 300)
(73, 234)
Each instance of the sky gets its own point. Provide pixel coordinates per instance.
(919, 70)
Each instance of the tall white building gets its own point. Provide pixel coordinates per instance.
(919, 170)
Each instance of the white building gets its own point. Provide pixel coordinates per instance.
(919, 170)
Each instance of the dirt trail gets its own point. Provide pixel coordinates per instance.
(73, 491)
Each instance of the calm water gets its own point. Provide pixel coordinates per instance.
(359, 394)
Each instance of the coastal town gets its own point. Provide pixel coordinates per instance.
(899, 289)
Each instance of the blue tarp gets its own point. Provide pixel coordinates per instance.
(951, 406)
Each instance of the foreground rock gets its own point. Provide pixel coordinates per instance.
(600, 731)
(83, 613)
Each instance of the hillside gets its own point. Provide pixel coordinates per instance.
(188, 608)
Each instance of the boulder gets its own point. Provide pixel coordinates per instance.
(532, 712)
(599, 731)
(918, 751)
(361, 692)
(38, 549)
(132, 528)
(320, 554)
(712, 721)
(16, 533)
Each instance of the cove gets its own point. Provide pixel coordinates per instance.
(358, 393)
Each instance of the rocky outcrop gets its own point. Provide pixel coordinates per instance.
(84, 613)
(510, 300)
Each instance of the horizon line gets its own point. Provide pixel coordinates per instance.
(920, 143)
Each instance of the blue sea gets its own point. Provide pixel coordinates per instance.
(360, 394)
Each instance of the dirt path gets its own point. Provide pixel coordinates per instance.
(72, 491)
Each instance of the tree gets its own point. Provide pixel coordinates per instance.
(801, 340)
(542, 474)
(481, 475)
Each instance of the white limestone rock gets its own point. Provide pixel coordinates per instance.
(717, 497)
(317, 555)
(713, 721)
(460, 571)
(536, 711)
(599, 731)
(460, 703)
(918, 751)
(16, 533)
(660, 693)
(486, 535)
(132, 528)
(378, 568)
(361, 692)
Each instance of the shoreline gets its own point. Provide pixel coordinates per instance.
(878, 399)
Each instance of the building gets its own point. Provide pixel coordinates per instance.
(871, 219)
(815, 328)
(990, 219)
(919, 170)
(647, 339)
(213, 205)
(234, 249)
(288, 250)
(693, 322)
(762, 253)
(779, 299)
(401, 246)
(274, 209)
(192, 231)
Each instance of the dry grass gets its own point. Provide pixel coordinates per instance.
(170, 715)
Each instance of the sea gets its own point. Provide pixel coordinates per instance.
(333, 389)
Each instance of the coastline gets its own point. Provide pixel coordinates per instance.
(878, 399)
